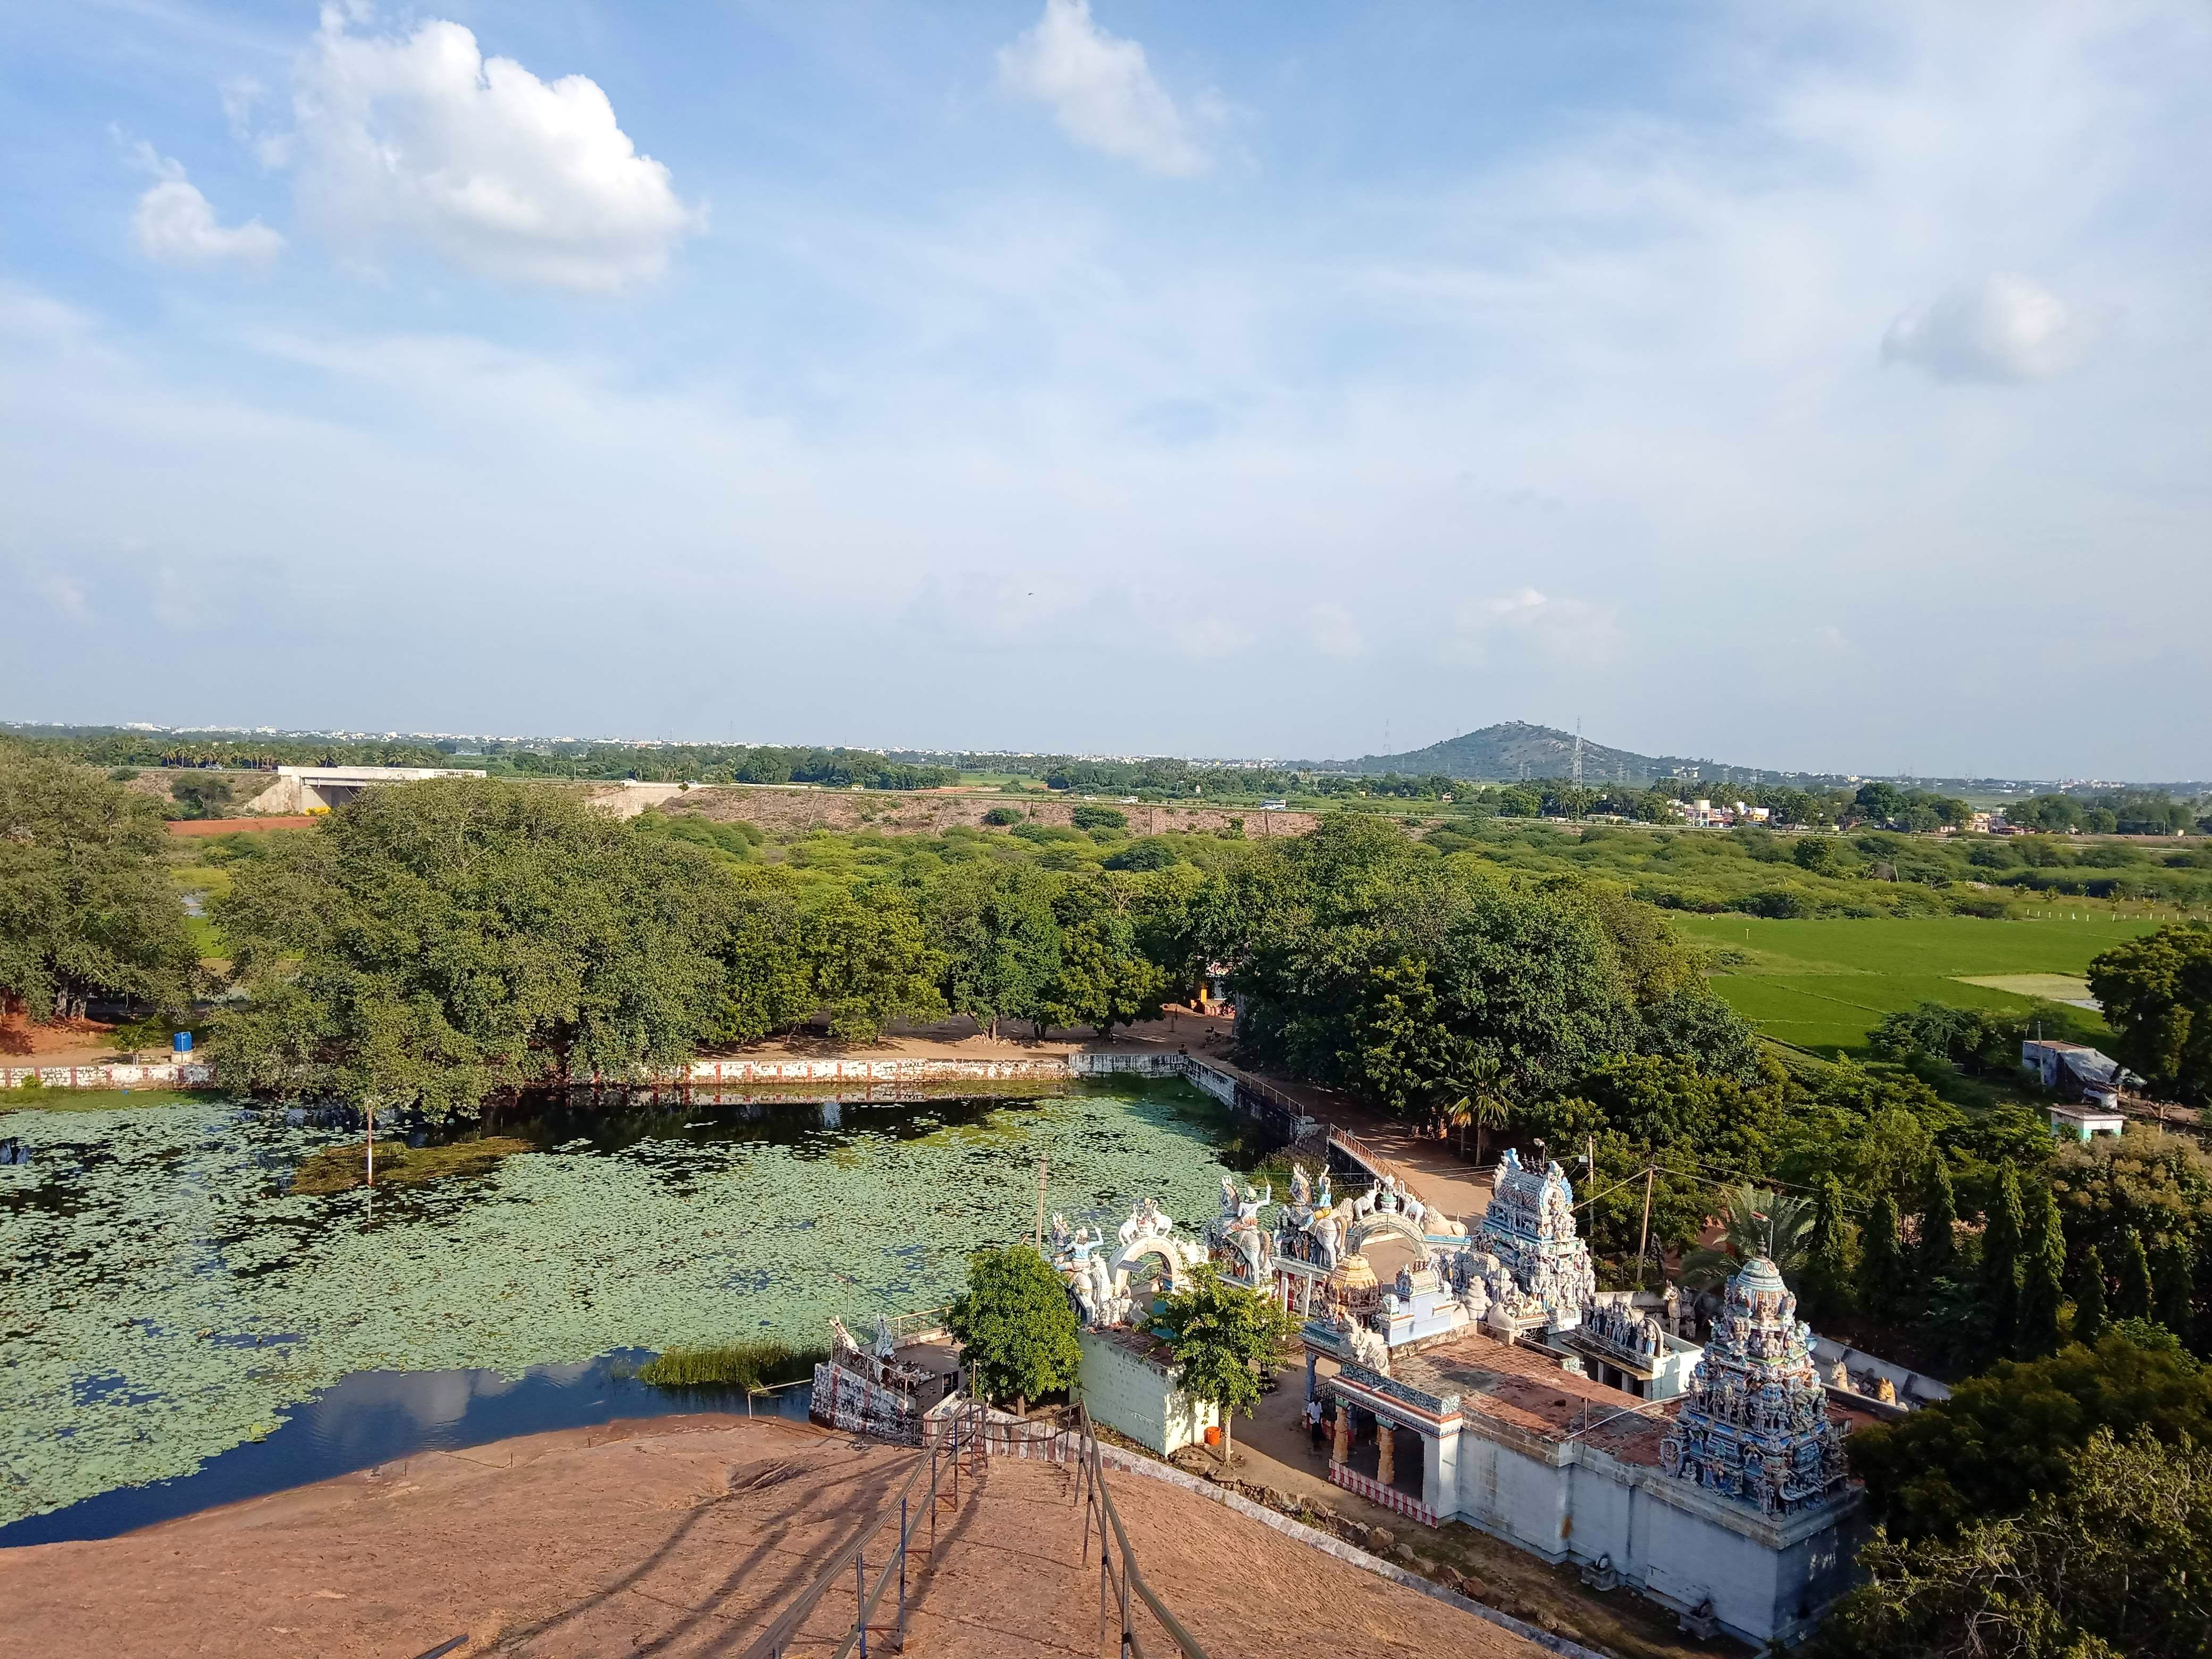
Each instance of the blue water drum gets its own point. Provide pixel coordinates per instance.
(182, 1042)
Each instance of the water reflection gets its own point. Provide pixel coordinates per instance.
(376, 1417)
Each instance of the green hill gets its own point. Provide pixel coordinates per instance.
(1517, 749)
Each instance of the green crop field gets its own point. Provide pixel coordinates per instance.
(1823, 984)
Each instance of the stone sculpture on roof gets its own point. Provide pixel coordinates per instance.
(1530, 1227)
(1755, 1426)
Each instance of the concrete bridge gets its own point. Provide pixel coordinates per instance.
(319, 788)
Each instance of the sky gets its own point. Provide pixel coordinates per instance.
(1806, 385)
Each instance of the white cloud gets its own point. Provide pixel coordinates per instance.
(65, 594)
(176, 225)
(1529, 622)
(421, 138)
(1101, 90)
(2004, 328)
(1334, 634)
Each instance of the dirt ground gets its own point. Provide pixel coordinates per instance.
(684, 1536)
(785, 809)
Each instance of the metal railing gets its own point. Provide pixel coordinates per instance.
(1116, 1586)
(959, 1442)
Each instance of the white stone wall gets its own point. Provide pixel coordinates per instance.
(1766, 1579)
(1135, 1397)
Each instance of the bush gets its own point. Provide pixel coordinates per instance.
(1099, 817)
(1153, 853)
(999, 818)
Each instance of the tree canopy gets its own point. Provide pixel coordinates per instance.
(1015, 1325)
(2156, 994)
(86, 908)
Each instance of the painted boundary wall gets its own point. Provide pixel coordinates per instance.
(191, 1074)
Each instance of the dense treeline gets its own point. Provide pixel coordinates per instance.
(1865, 873)
(435, 946)
(223, 751)
(836, 768)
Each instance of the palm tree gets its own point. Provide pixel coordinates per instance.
(1483, 1109)
(1755, 1223)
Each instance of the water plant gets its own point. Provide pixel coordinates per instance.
(748, 1366)
(342, 1168)
(171, 1296)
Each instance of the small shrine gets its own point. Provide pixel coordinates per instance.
(1755, 1425)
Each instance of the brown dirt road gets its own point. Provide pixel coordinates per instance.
(680, 1537)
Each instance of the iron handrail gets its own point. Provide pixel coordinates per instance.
(771, 1643)
(1098, 1497)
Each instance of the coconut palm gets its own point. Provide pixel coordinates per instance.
(1755, 1221)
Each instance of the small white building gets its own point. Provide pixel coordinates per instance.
(1129, 1383)
(2076, 1073)
(2081, 1121)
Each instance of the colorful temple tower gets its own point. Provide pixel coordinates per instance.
(1754, 1424)
(1530, 1227)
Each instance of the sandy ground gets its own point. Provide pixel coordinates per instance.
(682, 1537)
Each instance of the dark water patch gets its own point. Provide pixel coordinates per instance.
(370, 1418)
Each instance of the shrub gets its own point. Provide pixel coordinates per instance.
(1099, 817)
(1000, 818)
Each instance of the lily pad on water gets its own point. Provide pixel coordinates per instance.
(170, 1299)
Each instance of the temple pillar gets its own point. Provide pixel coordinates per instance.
(1342, 1452)
(1386, 1450)
(1313, 1383)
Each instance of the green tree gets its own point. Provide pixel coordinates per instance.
(86, 908)
(1000, 940)
(2016, 1431)
(432, 944)
(1225, 1339)
(1938, 1251)
(1881, 1261)
(2043, 1276)
(1103, 978)
(2144, 1180)
(1825, 1288)
(2156, 995)
(873, 961)
(2112, 1566)
(1015, 1325)
(2003, 1236)
(2173, 1291)
(2136, 1300)
(2089, 1322)
(1755, 1221)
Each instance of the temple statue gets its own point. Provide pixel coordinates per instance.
(1530, 1227)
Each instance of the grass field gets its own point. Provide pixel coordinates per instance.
(1824, 984)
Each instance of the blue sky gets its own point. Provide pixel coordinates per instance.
(1805, 386)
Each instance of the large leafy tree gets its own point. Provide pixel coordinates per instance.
(86, 908)
(1102, 978)
(2117, 1565)
(871, 960)
(1015, 1325)
(1001, 941)
(1361, 958)
(1225, 1338)
(433, 944)
(2156, 995)
(2018, 1430)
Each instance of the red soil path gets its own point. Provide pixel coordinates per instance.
(683, 1536)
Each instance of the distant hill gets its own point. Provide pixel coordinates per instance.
(1517, 750)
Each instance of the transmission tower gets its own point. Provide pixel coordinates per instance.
(1578, 753)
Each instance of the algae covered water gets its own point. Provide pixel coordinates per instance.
(169, 1298)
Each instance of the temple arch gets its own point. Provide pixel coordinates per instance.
(1391, 1223)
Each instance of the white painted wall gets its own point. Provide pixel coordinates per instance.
(1135, 1397)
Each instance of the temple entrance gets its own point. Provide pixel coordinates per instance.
(1389, 1454)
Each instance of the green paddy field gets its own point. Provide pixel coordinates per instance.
(1823, 984)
